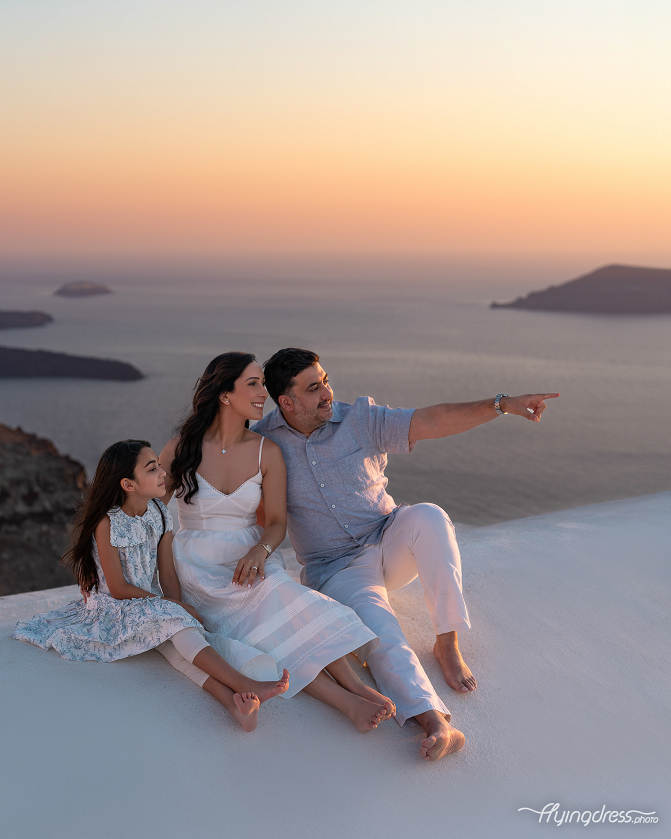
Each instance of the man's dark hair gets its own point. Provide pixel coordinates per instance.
(283, 367)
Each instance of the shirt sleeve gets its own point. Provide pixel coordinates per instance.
(388, 428)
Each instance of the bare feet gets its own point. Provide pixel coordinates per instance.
(456, 673)
(266, 690)
(441, 738)
(364, 714)
(376, 698)
(246, 710)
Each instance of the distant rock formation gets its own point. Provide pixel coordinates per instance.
(612, 290)
(19, 363)
(39, 490)
(82, 289)
(19, 320)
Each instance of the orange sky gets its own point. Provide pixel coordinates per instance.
(374, 127)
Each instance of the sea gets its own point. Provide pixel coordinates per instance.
(405, 336)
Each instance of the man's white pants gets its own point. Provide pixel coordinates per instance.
(420, 541)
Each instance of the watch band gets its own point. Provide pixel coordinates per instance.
(497, 403)
(267, 549)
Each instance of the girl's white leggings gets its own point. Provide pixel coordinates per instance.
(181, 650)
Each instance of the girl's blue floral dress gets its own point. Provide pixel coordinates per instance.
(105, 629)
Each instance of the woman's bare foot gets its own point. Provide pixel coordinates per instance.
(266, 690)
(441, 738)
(364, 714)
(456, 673)
(246, 709)
(377, 698)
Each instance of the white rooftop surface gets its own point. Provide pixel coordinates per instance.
(570, 646)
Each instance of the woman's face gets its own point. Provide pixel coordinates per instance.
(249, 395)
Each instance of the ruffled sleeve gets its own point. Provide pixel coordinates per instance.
(124, 530)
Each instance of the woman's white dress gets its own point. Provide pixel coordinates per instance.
(301, 629)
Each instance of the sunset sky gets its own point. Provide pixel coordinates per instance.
(362, 126)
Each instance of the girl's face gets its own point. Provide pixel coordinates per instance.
(249, 395)
(148, 479)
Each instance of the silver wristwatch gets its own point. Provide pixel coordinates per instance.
(497, 403)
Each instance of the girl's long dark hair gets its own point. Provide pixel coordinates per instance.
(219, 377)
(104, 493)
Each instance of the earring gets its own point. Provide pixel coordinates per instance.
(225, 401)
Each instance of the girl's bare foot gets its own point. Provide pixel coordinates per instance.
(266, 690)
(364, 714)
(377, 698)
(246, 710)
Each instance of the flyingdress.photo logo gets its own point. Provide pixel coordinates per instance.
(585, 817)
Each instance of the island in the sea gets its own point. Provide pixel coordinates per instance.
(82, 288)
(19, 363)
(612, 290)
(21, 320)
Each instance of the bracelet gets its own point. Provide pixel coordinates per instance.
(267, 549)
(497, 403)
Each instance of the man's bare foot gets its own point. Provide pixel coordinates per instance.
(441, 738)
(456, 673)
(364, 714)
(377, 698)
(266, 690)
(440, 744)
(246, 710)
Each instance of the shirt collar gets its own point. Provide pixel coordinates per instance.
(275, 419)
(337, 412)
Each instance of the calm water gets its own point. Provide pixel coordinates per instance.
(408, 343)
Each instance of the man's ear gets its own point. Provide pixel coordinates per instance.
(127, 485)
(286, 403)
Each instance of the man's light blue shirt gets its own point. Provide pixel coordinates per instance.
(337, 500)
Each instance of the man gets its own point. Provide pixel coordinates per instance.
(355, 543)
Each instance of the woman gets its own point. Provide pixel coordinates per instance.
(226, 562)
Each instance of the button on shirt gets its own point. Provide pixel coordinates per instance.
(337, 500)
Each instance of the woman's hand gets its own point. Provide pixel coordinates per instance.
(249, 566)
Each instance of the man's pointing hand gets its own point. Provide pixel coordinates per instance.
(530, 406)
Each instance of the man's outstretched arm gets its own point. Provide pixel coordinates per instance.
(453, 418)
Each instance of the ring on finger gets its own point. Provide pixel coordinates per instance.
(254, 568)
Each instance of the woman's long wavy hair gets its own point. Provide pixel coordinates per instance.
(104, 493)
(219, 377)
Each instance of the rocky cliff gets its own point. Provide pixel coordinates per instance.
(39, 489)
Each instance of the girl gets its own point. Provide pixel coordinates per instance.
(122, 547)
(227, 563)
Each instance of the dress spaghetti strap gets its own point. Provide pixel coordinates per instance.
(260, 450)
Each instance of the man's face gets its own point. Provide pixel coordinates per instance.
(309, 403)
